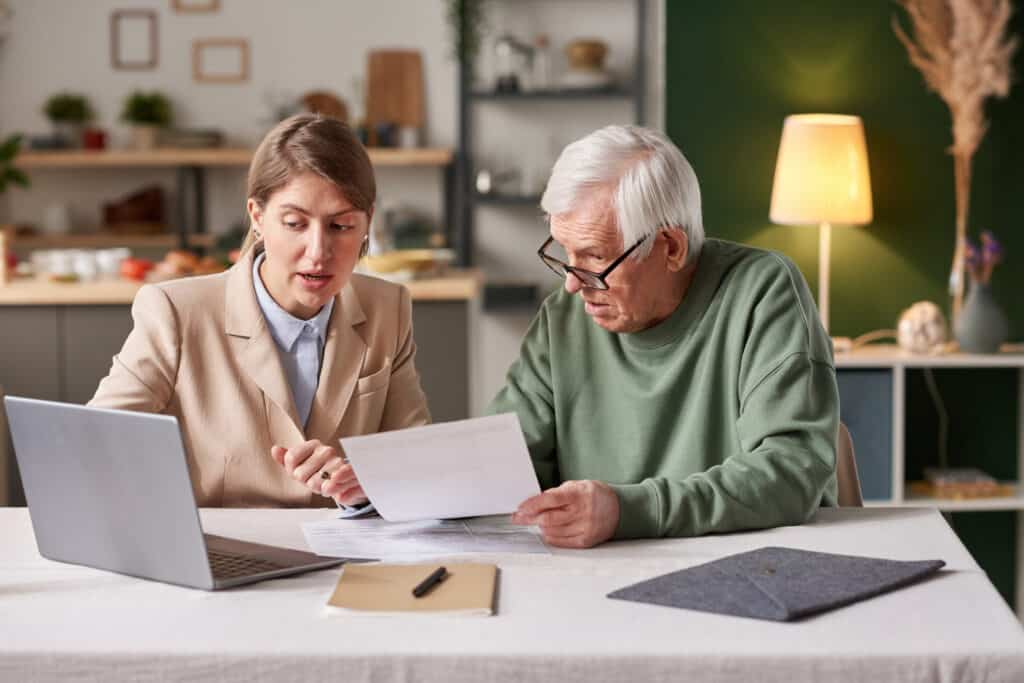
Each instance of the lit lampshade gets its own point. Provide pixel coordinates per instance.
(821, 178)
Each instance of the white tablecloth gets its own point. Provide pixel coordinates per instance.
(65, 622)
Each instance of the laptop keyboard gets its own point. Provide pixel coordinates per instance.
(227, 566)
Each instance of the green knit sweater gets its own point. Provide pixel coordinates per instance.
(721, 417)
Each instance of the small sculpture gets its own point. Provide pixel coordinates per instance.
(922, 328)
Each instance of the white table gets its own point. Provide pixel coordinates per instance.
(553, 622)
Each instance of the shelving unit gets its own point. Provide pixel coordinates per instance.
(508, 199)
(873, 400)
(103, 240)
(207, 157)
(190, 187)
(572, 94)
(468, 199)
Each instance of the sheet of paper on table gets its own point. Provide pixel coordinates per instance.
(466, 468)
(406, 541)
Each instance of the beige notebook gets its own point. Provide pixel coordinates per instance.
(379, 589)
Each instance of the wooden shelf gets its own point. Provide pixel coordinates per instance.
(611, 92)
(211, 157)
(498, 199)
(1015, 502)
(107, 240)
(517, 296)
(890, 355)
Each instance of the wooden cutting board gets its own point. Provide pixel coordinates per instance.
(394, 87)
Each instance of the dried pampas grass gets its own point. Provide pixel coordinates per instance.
(964, 53)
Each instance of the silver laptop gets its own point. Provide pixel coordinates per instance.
(110, 489)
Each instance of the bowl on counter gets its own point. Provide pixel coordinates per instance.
(407, 263)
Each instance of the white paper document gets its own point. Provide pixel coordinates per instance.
(380, 539)
(466, 468)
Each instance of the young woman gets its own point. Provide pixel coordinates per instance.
(268, 364)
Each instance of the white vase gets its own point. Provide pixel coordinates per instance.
(145, 136)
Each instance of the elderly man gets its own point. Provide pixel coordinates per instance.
(676, 386)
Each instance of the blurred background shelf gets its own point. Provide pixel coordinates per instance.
(206, 157)
(509, 199)
(190, 166)
(103, 240)
(562, 94)
(506, 296)
(1014, 502)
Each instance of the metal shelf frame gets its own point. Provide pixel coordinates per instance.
(467, 199)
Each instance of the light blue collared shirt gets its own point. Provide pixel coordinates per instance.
(300, 343)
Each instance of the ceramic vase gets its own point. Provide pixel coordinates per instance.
(982, 326)
(145, 137)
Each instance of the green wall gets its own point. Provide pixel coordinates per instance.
(736, 68)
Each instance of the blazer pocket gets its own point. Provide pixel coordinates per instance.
(374, 382)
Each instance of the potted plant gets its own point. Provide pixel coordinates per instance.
(9, 175)
(68, 112)
(147, 113)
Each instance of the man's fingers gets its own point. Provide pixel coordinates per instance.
(569, 540)
(555, 517)
(552, 498)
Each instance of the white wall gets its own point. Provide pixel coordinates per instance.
(300, 45)
(295, 47)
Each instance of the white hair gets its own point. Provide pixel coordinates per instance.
(654, 186)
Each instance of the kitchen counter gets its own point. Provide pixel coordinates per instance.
(58, 339)
(456, 285)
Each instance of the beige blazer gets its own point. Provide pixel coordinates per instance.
(201, 351)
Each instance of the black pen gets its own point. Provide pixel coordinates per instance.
(436, 577)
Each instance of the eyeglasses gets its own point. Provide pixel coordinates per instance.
(587, 278)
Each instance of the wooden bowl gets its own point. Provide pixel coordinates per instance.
(586, 53)
(413, 260)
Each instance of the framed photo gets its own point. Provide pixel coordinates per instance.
(195, 5)
(133, 39)
(220, 60)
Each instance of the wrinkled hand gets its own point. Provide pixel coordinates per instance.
(577, 514)
(306, 463)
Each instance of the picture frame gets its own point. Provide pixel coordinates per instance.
(195, 6)
(133, 39)
(220, 60)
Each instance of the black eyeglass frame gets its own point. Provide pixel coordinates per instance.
(587, 278)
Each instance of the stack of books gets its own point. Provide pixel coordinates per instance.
(957, 483)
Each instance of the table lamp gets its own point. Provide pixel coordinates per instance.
(821, 178)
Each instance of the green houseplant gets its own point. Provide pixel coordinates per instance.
(68, 112)
(9, 175)
(147, 113)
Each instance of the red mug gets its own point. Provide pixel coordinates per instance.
(94, 138)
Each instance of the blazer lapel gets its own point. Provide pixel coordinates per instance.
(344, 352)
(256, 352)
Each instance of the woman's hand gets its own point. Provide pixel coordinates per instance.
(308, 462)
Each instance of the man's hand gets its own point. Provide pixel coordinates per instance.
(577, 514)
(309, 460)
